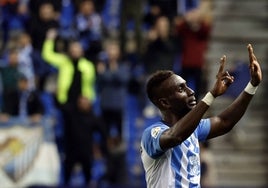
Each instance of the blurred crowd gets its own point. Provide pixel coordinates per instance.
(89, 55)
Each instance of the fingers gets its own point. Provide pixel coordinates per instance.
(250, 48)
(226, 75)
(251, 54)
(222, 64)
(227, 78)
(228, 81)
(254, 66)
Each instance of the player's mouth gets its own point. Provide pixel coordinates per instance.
(192, 103)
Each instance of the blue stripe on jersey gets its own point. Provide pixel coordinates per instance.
(203, 129)
(176, 165)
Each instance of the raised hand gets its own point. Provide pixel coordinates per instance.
(254, 67)
(224, 79)
(51, 34)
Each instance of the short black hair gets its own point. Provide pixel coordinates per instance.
(154, 81)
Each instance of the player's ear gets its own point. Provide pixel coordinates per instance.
(164, 103)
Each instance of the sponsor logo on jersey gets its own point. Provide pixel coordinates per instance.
(155, 131)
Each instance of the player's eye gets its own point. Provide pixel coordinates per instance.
(181, 89)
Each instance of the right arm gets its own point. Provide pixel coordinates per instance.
(48, 53)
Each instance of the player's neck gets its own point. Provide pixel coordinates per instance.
(170, 120)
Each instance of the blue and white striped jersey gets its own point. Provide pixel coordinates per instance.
(178, 167)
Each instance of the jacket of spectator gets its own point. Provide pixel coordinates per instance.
(66, 71)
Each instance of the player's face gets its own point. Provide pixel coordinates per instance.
(181, 98)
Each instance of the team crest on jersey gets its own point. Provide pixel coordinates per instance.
(155, 131)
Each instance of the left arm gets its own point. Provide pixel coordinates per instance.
(227, 119)
(88, 79)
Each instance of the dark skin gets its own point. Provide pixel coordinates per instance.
(178, 106)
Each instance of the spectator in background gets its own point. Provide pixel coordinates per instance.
(25, 58)
(81, 142)
(89, 27)
(160, 52)
(194, 30)
(159, 55)
(131, 20)
(113, 76)
(111, 17)
(76, 78)
(23, 103)
(34, 6)
(76, 73)
(15, 17)
(10, 75)
(45, 19)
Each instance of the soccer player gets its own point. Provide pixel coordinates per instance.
(169, 148)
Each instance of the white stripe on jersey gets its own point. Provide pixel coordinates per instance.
(183, 170)
(158, 171)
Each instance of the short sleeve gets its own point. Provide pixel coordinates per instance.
(150, 140)
(203, 129)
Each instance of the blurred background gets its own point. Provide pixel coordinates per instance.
(72, 78)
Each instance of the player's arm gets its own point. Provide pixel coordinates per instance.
(227, 119)
(183, 128)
